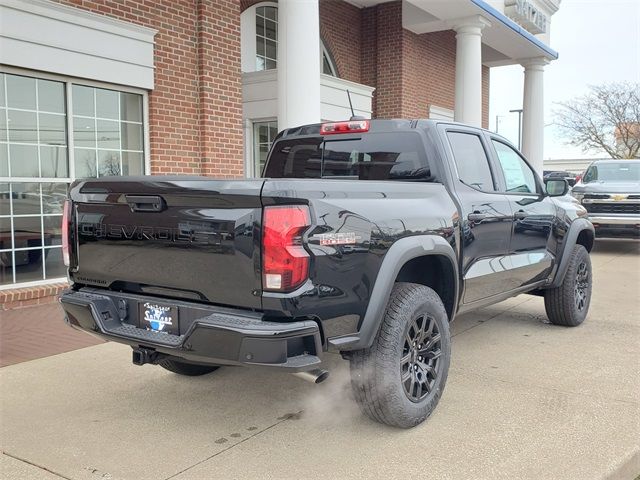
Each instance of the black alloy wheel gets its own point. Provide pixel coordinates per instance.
(568, 303)
(420, 363)
(581, 286)
(400, 378)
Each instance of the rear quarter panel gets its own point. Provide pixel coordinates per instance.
(366, 217)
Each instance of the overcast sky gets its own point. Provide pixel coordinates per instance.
(598, 42)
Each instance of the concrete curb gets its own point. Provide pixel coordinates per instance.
(629, 469)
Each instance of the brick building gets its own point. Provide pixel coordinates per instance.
(130, 87)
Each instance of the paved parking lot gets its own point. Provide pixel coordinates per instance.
(524, 399)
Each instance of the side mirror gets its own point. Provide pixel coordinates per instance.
(556, 187)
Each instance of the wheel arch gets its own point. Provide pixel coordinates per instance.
(436, 272)
(403, 262)
(581, 232)
(586, 237)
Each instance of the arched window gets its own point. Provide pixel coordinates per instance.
(259, 40)
(266, 37)
(259, 37)
(327, 66)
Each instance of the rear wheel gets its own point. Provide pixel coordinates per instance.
(568, 304)
(184, 368)
(400, 378)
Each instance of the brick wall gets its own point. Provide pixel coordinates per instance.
(195, 109)
(390, 82)
(485, 96)
(340, 29)
(429, 70)
(220, 88)
(369, 51)
(28, 296)
(410, 71)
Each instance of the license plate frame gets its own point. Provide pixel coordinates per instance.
(159, 317)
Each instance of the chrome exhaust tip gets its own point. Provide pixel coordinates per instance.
(314, 376)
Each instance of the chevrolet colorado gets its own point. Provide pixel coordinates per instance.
(364, 237)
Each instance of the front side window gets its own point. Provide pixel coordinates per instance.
(266, 38)
(471, 161)
(43, 148)
(374, 156)
(517, 174)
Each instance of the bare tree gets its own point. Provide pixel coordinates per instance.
(605, 119)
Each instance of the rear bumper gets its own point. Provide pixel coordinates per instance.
(214, 336)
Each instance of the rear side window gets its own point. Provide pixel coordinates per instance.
(375, 156)
(471, 161)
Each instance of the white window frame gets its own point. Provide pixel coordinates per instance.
(68, 83)
(248, 36)
(251, 167)
(325, 52)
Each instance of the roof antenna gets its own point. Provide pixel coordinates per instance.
(353, 114)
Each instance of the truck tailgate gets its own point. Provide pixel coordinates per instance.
(184, 237)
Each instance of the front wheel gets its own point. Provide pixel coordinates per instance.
(568, 304)
(400, 378)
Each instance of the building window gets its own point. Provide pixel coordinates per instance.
(107, 132)
(47, 140)
(327, 67)
(259, 41)
(266, 38)
(263, 135)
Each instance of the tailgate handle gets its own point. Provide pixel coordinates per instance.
(146, 203)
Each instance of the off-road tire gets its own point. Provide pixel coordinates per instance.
(188, 369)
(376, 372)
(568, 304)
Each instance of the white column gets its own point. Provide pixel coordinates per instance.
(468, 96)
(533, 112)
(298, 63)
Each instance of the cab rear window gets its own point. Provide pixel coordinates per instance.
(374, 156)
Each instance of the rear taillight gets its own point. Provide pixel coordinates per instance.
(285, 262)
(352, 126)
(66, 219)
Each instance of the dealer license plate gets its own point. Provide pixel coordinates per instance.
(159, 317)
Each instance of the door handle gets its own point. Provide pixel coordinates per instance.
(477, 217)
(145, 203)
(520, 215)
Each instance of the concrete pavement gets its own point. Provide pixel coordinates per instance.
(524, 399)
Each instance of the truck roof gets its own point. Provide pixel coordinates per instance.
(615, 160)
(376, 125)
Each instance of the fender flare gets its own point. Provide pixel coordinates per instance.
(577, 226)
(396, 257)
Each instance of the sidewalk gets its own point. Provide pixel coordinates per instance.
(525, 400)
(35, 332)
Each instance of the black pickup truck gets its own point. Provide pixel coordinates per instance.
(364, 237)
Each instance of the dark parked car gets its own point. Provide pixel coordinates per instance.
(610, 191)
(365, 238)
(557, 174)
